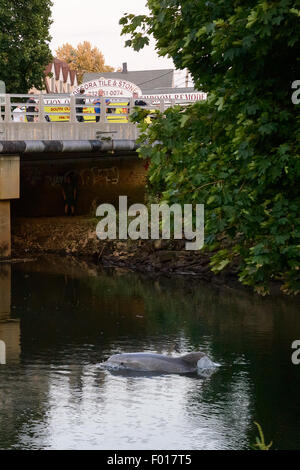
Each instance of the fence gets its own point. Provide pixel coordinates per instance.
(53, 108)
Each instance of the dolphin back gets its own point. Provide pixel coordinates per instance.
(151, 362)
(192, 358)
(200, 361)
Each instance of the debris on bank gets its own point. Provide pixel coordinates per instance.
(76, 236)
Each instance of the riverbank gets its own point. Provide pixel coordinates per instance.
(76, 236)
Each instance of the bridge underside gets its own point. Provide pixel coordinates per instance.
(97, 179)
(32, 179)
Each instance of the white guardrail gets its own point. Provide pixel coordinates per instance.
(52, 108)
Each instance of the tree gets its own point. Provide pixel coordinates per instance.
(24, 43)
(83, 59)
(238, 153)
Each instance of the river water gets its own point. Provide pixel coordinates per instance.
(60, 318)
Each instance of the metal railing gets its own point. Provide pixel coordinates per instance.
(40, 108)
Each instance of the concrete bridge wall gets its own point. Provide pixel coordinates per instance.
(14, 131)
(9, 190)
(98, 179)
(88, 150)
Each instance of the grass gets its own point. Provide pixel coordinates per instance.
(260, 440)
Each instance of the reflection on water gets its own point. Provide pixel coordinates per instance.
(60, 318)
(9, 328)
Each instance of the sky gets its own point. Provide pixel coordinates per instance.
(97, 21)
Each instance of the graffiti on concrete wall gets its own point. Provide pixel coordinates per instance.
(33, 177)
(85, 177)
(94, 176)
(55, 180)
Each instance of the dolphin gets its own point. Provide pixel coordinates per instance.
(149, 362)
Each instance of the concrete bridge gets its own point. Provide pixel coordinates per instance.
(30, 143)
(56, 117)
(43, 140)
(32, 174)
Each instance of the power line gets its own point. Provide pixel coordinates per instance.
(183, 85)
(155, 78)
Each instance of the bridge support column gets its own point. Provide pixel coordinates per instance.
(9, 189)
(5, 242)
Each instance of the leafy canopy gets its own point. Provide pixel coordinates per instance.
(238, 152)
(24, 43)
(83, 59)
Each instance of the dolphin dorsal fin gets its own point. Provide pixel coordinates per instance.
(192, 358)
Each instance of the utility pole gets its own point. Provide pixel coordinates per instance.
(187, 78)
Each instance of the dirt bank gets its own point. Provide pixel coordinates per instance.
(77, 236)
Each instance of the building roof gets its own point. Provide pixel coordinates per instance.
(73, 76)
(145, 79)
(60, 65)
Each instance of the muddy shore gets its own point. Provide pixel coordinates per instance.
(76, 236)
